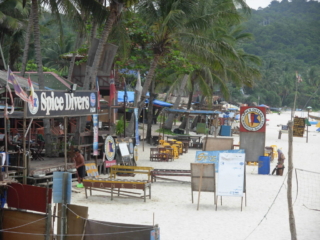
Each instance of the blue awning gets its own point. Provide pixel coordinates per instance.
(195, 112)
(130, 95)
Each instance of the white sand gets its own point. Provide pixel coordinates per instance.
(178, 218)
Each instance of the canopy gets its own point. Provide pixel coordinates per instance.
(130, 95)
(194, 112)
(263, 105)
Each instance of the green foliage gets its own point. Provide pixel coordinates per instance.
(120, 126)
(32, 67)
(287, 39)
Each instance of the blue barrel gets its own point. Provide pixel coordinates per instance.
(264, 165)
(58, 187)
(225, 130)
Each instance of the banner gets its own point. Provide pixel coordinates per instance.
(213, 156)
(95, 120)
(62, 104)
(137, 126)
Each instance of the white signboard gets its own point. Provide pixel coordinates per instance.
(124, 149)
(231, 174)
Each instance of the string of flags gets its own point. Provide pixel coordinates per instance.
(18, 91)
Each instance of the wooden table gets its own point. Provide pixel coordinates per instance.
(108, 185)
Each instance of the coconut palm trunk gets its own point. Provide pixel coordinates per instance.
(150, 112)
(92, 71)
(146, 85)
(168, 123)
(186, 119)
(36, 34)
(26, 44)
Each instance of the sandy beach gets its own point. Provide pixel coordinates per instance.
(265, 217)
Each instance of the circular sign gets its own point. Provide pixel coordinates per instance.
(253, 119)
(92, 99)
(34, 107)
(109, 148)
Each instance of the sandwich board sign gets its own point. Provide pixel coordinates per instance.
(231, 174)
(231, 177)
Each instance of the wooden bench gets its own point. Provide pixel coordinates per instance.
(108, 185)
(169, 172)
(130, 170)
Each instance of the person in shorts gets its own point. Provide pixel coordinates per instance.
(280, 165)
(79, 161)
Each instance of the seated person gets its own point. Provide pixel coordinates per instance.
(10, 146)
(40, 141)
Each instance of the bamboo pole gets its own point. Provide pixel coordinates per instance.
(292, 223)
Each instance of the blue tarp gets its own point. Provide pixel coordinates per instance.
(130, 95)
(196, 112)
(262, 105)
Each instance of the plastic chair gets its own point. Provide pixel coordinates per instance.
(175, 151)
(181, 146)
(275, 152)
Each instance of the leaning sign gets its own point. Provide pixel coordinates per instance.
(62, 104)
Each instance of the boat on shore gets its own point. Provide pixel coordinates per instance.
(315, 117)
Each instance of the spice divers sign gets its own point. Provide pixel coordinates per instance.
(61, 103)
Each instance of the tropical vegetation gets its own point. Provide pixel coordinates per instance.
(215, 47)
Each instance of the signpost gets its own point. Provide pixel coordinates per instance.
(298, 127)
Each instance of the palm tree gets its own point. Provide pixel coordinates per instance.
(13, 19)
(115, 9)
(183, 23)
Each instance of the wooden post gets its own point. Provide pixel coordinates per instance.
(63, 206)
(200, 186)
(25, 167)
(48, 223)
(163, 125)
(143, 129)
(65, 144)
(294, 102)
(292, 223)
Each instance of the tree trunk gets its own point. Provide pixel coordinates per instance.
(73, 59)
(292, 223)
(91, 75)
(36, 34)
(92, 71)
(150, 112)
(26, 45)
(186, 119)
(168, 123)
(146, 85)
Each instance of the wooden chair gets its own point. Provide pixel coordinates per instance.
(158, 154)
